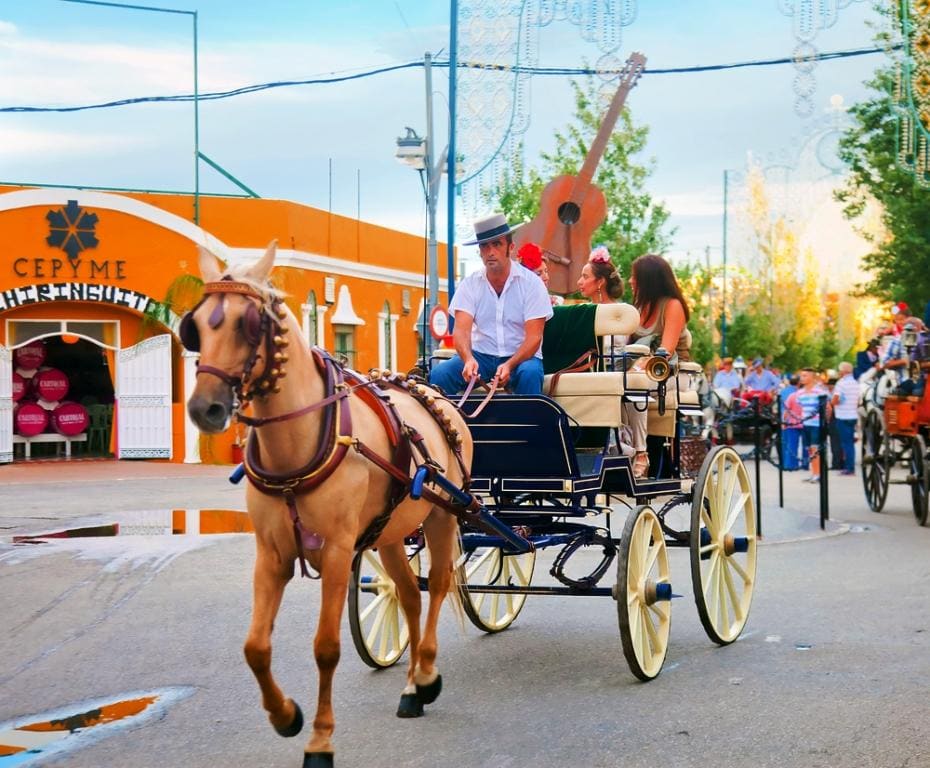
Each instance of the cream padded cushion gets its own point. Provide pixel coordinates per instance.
(636, 349)
(615, 319)
(690, 367)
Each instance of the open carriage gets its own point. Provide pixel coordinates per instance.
(547, 468)
(894, 414)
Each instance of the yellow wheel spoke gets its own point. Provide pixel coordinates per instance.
(371, 606)
(738, 506)
(376, 625)
(739, 569)
(734, 599)
(650, 630)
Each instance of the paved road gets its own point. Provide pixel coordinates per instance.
(832, 669)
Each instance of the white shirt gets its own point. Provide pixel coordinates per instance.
(499, 321)
(847, 388)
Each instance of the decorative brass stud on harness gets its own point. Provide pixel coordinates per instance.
(280, 341)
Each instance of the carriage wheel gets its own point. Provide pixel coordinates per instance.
(723, 545)
(919, 479)
(875, 464)
(488, 566)
(643, 594)
(377, 622)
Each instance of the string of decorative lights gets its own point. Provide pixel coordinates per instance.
(541, 71)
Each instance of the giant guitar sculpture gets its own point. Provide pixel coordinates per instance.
(571, 208)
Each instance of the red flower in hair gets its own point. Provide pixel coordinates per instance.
(530, 256)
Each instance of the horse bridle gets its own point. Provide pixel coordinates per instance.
(261, 328)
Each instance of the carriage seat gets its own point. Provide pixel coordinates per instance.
(594, 398)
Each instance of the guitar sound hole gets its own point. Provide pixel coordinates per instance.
(569, 213)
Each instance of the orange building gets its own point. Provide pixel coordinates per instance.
(101, 278)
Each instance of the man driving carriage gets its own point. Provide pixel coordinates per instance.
(500, 313)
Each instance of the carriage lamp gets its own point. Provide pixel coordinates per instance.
(909, 336)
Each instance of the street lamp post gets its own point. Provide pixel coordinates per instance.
(723, 311)
(418, 153)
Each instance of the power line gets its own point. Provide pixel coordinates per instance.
(516, 69)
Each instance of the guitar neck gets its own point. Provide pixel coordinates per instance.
(628, 77)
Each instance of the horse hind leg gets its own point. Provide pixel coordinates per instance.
(395, 563)
(268, 588)
(441, 531)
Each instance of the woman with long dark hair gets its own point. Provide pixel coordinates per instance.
(663, 318)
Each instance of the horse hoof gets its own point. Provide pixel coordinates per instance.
(318, 760)
(296, 724)
(427, 694)
(410, 706)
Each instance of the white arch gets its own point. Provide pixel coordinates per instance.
(33, 198)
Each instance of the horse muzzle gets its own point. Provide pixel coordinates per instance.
(211, 414)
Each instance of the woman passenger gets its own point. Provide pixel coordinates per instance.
(663, 318)
(600, 283)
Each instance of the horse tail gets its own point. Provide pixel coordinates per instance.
(454, 596)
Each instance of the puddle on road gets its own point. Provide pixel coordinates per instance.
(129, 540)
(167, 522)
(36, 737)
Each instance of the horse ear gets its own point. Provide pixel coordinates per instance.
(209, 266)
(260, 270)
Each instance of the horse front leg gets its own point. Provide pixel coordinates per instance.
(270, 578)
(441, 531)
(336, 565)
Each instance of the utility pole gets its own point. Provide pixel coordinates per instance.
(723, 312)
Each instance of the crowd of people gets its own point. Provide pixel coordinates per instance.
(501, 310)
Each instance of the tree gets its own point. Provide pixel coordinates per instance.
(900, 260)
(635, 223)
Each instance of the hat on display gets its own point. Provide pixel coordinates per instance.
(726, 360)
(739, 362)
(901, 308)
(491, 227)
(757, 361)
(530, 256)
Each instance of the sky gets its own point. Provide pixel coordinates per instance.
(332, 146)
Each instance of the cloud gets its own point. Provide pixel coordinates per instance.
(7, 28)
(48, 145)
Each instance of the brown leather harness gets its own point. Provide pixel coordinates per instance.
(336, 430)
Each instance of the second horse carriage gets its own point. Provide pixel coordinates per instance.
(894, 414)
(547, 469)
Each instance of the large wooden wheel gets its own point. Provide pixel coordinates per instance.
(876, 464)
(919, 478)
(643, 593)
(723, 545)
(376, 620)
(489, 566)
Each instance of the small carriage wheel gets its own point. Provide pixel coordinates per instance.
(488, 566)
(919, 479)
(723, 545)
(875, 462)
(378, 625)
(643, 593)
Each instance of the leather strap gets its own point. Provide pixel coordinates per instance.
(583, 363)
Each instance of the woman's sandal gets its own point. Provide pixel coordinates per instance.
(640, 465)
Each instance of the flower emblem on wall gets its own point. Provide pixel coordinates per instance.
(72, 229)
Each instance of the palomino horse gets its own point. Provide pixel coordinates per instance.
(329, 458)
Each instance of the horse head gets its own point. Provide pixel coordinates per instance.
(235, 328)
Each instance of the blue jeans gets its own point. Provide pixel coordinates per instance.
(847, 430)
(525, 379)
(790, 442)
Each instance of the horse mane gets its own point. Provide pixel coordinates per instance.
(269, 293)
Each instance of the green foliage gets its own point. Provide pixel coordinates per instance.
(183, 293)
(635, 223)
(899, 263)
